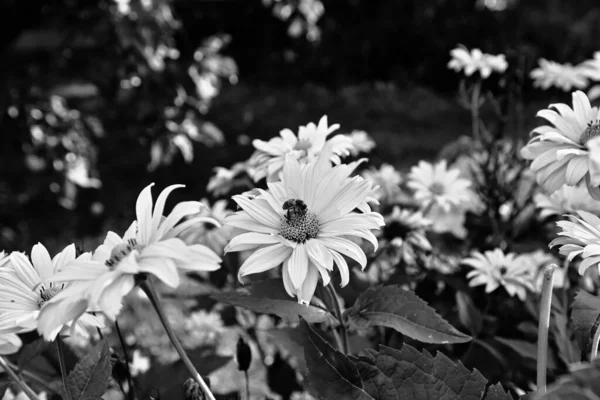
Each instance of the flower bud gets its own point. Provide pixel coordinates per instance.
(243, 355)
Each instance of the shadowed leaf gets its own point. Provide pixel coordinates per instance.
(89, 379)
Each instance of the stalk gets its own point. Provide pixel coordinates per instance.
(24, 387)
(338, 314)
(543, 327)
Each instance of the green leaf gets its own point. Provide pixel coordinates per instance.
(585, 315)
(89, 379)
(30, 351)
(583, 382)
(391, 374)
(468, 314)
(402, 310)
(291, 342)
(331, 375)
(270, 297)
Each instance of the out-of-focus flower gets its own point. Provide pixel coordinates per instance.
(438, 185)
(591, 68)
(566, 200)
(203, 329)
(361, 142)
(562, 76)
(494, 269)
(10, 395)
(269, 157)
(78, 173)
(580, 236)
(451, 220)
(139, 363)
(388, 180)
(150, 246)
(405, 229)
(10, 343)
(210, 235)
(559, 152)
(474, 60)
(25, 292)
(225, 180)
(302, 222)
(539, 260)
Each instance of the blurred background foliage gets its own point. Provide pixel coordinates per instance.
(101, 97)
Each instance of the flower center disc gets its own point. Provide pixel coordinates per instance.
(300, 227)
(592, 131)
(437, 188)
(120, 251)
(47, 294)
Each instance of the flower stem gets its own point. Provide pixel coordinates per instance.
(475, 110)
(148, 288)
(63, 366)
(544, 325)
(131, 391)
(338, 313)
(26, 389)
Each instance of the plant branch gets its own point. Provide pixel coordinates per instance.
(131, 391)
(63, 366)
(26, 389)
(544, 325)
(338, 313)
(148, 288)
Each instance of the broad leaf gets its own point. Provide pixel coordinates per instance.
(390, 374)
(89, 379)
(403, 311)
(585, 316)
(30, 351)
(270, 297)
(291, 342)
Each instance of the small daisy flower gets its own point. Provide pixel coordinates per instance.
(303, 223)
(270, 156)
(150, 246)
(25, 291)
(361, 142)
(580, 236)
(559, 152)
(562, 76)
(225, 180)
(476, 61)
(494, 269)
(438, 185)
(208, 234)
(405, 229)
(10, 343)
(566, 200)
(388, 179)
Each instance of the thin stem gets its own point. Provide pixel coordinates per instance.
(475, 110)
(131, 391)
(63, 366)
(247, 385)
(544, 325)
(595, 341)
(148, 288)
(338, 312)
(33, 377)
(26, 389)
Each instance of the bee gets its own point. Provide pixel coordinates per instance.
(294, 208)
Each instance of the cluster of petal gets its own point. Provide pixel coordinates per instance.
(361, 142)
(149, 247)
(388, 180)
(438, 185)
(269, 157)
(580, 236)
(475, 60)
(213, 236)
(495, 269)
(561, 76)
(331, 196)
(566, 200)
(25, 292)
(559, 151)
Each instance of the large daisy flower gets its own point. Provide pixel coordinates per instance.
(580, 236)
(302, 222)
(269, 156)
(494, 269)
(562, 76)
(438, 185)
(25, 291)
(149, 247)
(559, 151)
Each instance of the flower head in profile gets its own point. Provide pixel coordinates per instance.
(25, 291)
(150, 247)
(213, 236)
(566, 200)
(361, 142)
(388, 180)
(561, 76)
(438, 185)
(269, 157)
(495, 269)
(580, 236)
(476, 61)
(560, 151)
(405, 229)
(303, 223)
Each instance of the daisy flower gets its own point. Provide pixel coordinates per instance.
(566, 200)
(405, 229)
(270, 156)
(388, 179)
(361, 142)
(25, 291)
(474, 60)
(302, 222)
(149, 247)
(10, 343)
(559, 152)
(438, 185)
(580, 236)
(562, 76)
(225, 180)
(494, 269)
(208, 234)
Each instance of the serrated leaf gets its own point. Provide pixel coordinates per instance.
(497, 392)
(89, 379)
(270, 297)
(30, 351)
(585, 315)
(331, 375)
(402, 310)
